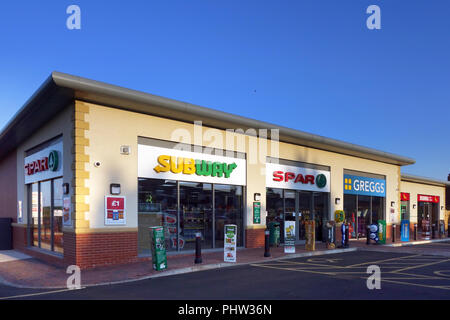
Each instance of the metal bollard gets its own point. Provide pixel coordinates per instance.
(266, 247)
(368, 235)
(347, 234)
(433, 231)
(415, 231)
(394, 230)
(448, 227)
(198, 248)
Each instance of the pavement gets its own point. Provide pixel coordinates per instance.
(21, 271)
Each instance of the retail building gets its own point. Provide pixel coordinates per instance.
(87, 167)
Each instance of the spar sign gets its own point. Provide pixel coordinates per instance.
(115, 210)
(297, 178)
(174, 164)
(44, 164)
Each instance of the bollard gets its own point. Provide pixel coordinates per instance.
(415, 231)
(368, 235)
(198, 248)
(347, 229)
(266, 247)
(448, 227)
(433, 231)
(394, 230)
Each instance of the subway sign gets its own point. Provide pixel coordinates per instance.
(364, 186)
(297, 178)
(174, 164)
(182, 165)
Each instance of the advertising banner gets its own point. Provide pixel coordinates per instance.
(159, 257)
(174, 164)
(289, 237)
(382, 231)
(310, 231)
(404, 230)
(364, 186)
(229, 247)
(115, 213)
(256, 212)
(297, 178)
(67, 214)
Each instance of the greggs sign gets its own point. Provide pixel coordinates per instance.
(297, 178)
(44, 164)
(173, 164)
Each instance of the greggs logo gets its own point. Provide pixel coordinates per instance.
(44, 164)
(193, 166)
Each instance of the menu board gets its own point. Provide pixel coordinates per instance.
(229, 248)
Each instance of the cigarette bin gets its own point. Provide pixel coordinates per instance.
(274, 229)
(159, 258)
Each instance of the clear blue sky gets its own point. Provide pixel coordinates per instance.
(311, 65)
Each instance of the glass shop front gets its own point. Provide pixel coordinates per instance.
(188, 193)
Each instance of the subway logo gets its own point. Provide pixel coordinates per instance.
(193, 166)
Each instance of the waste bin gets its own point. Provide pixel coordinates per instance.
(274, 236)
(5, 234)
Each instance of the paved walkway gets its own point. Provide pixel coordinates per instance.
(33, 273)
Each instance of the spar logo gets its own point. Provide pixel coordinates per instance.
(320, 180)
(192, 166)
(49, 163)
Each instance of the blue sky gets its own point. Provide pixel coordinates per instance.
(311, 65)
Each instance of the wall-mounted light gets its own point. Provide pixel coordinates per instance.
(114, 188)
(337, 200)
(257, 196)
(414, 206)
(392, 203)
(65, 187)
(442, 207)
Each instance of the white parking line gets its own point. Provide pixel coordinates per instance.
(37, 294)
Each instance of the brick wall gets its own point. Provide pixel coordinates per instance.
(19, 237)
(254, 238)
(8, 186)
(99, 249)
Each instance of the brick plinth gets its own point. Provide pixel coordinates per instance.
(99, 249)
(254, 238)
(19, 237)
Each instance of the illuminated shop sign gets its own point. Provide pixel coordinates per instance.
(364, 186)
(50, 162)
(193, 166)
(45, 164)
(297, 178)
(173, 164)
(425, 198)
(404, 196)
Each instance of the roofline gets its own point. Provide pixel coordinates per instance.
(426, 180)
(60, 88)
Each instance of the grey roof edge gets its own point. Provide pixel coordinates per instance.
(137, 101)
(426, 180)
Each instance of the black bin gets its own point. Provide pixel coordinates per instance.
(5, 234)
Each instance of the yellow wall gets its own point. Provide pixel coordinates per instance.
(110, 128)
(414, 188)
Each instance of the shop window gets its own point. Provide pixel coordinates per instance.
(45, 221)
(158, 204)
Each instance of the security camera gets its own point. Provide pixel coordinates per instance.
(97, 164)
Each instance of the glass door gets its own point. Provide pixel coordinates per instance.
(305, 212)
